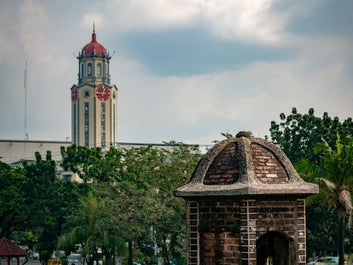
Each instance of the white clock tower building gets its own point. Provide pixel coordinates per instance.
(94, 99)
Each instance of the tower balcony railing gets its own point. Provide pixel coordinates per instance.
(94, 79)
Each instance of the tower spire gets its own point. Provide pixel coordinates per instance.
(94, 33)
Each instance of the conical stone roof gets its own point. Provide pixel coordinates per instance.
(245, 166)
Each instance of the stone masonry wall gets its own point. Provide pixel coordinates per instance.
(226, 232)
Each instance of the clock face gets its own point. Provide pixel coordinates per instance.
(74, 94)
(86, 93)
(102, 92)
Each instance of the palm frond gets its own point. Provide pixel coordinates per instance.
(327, 183)
(339, 145)
(328, 192)
(322, 147)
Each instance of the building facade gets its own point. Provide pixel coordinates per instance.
(94, 99)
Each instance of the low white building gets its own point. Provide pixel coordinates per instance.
(15, 151)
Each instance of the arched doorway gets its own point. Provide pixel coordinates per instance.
(275, 248)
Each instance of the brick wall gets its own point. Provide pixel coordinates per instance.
(226, 232)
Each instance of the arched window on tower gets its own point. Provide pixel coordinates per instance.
(106, 71)
(99, 70)
(82, 71)
(89, 69)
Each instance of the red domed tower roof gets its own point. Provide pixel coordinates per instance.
(94, 47)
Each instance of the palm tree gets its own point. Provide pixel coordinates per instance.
(87, 228)
(336, 182)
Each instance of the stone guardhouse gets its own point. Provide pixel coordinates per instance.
(246, 205)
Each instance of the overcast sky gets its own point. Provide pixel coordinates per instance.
(186, 70)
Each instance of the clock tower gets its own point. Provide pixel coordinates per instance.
(93, 99)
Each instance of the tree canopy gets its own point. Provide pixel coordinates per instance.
(320, 149)
(335, 174)
(125, 199)
(136, 185)
(297, 134)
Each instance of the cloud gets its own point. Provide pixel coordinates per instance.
(251, 20)
(91, 18)
(254, 21)
(199, 107)
(245, 20)
(186, 70)
(33, 20)
(152, 14)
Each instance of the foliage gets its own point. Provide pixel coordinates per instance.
(336, 179)
(297, 134)
(136, 185)
(13, 210)
(50, 204)
(33, 204)
(91, 228)
(125, 198)
(81, 160)
(324, 223)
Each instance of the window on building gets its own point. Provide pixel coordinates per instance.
(99, 70)
(82, 70)
(106, 70)
(86, 123)
(89, 69)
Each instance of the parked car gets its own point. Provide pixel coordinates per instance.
(75, 259)
(324, 261)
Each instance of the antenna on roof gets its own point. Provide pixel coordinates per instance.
(94, 27)
(25, 88)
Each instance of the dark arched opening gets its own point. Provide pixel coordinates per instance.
(275, 248)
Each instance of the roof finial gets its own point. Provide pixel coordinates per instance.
(94, 33)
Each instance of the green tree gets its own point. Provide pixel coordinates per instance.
(144, 187)
(81, 160)
(100, 172)
(43, 198)
(114, 236)
(336, 179)
(170, 218)
(137, 184)
(87, 228)
(34, 202)
(157, 173)
(14, 213)
(319, 232)
(297, 134)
